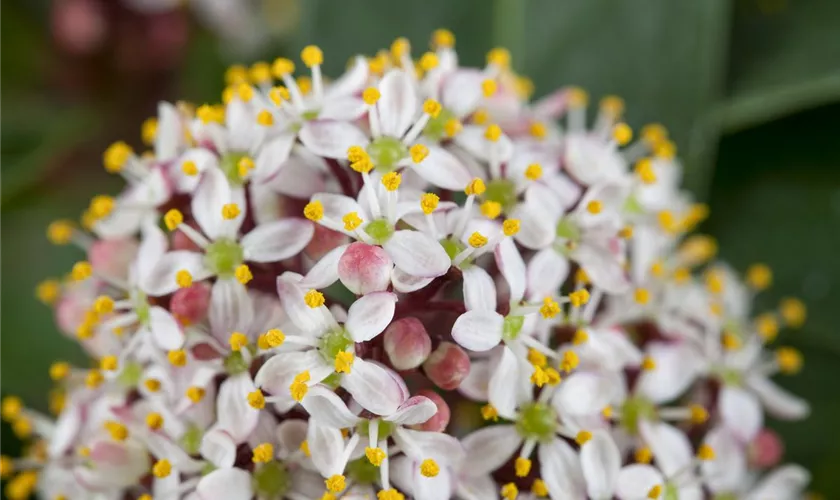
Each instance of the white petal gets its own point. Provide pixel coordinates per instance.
(475, 385)
(472, 139)
(290, 434)
(477, 488)
(373, 387)
(152, 247)
(504, 385)
(779, 402)
(461, 91)
(669, 445)
(560, 469)
(162, 281)
(536, 230)
(478, 330)
(600, 462)
(278, 240)
(512, 268)
(309, 320)
(351, 82)
(344, 109)
(407, 283)
(585, 393)
(420, 445)
(272, 156)
(636, 480)
(479, 290)
(602, 267)
(741, 412)
(397, 105)
(299, 177)
(677, 367)
(442, 169)
(166, 331)
(66, 429)
(212, 194)
(325, 406)
(336, 206)
(331, 139)
(235, 414)
(225, 484)
(218, 447)
(547, 270)
(325, 272)
(415, 410)
(231, 309)
(278, 372)
(727, 472)
(784, 483)
(417, 254)
(438, 487)
(168, 134)
(369, 315)
(204, 160)
(490, 448)
(327, 447)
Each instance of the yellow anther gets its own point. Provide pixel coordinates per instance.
(207, 113)
(189, 168)
(362, 166)
(509, 491)
(579, 297)
(612, 105)
(173, 218)
(583, 437)
(607, 412)
(697, 213)
(94, 379)
(581, 277)
(162, 468)
(648, 364)
(304, 83)
(375, 455)
(477, 240)
(429, 202)
(314, 299)
(263, 453)
(390, 494)
(11, 408)
(282, 66)
(275, 337)
(510, 227)
(81, 271)
(475, 187)
(59, 370)
(22, 486)
(428, 61)
(789, 360)
(523, 86)
(335, 483)
(697, 249)
(256, 400)
(716, 308)
(183, 278)
(654, 492)
(101, 206)
(391, 181)
(539, 488)
(489, 87)
(643, 455)
(228, 94)
(7, 467)
(550, 308)
(730, 341)
(371, 95)
(145, 496)
(570, 361)
(343, 361)
(399, 48)
(243, 274)
(314, 211)
(60, 232)
(793, 311)
(657, 269)
(109, 363)
(432, 108)
(493, 133)
(442, 39)
(622, 134)
(522, 466)
(83, 451)
(625, 232)
(245, 92)
(706, 452)
(538, 130)
(148, 131)
(578, 97)
(594, 207)
(378, 63)
(351, 221)
(152, 384)
(279, 95)
(714, 281)
(491, 209)
(533, 172)
(116, 156)
(536, 358)
(488, 412)
(666, 150)
(237, 341)
(581, 337)
(429, 468)
(103, 304)
(118, 431)
(481, 116)
(641, 296)
(298, 390)
(154, 421)
(418, 153)
(539, 378)
(767, 326)
(304, 447)
(265, 118)
(177, 357)
(22, 428)
(653, 133)
(230, 211)
(681, 275)
(452, 127)
(553, 376)
(499, 56)
(759, 276)
(236, 74)
(260, 72)
(644, 169)
(195, 394)
(699, 415)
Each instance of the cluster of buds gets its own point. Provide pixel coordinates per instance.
(412, 281)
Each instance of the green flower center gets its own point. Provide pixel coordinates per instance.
(380, 230)
(436, 127)
(191, 440)
(503, 192)
(386, 152)
(131, 374)
(334, 342)
(511, 327)
(568, 230)
(672, 493)
(730, 376)
(635, 409)
(632, 206)
(223, 257)
(361, 471)
(537, 421)
(384, 432)
(452, 246)
(311, 114)
(235, 363)
(229, 164)
(271, 480)
(724, 496)
(141, 307)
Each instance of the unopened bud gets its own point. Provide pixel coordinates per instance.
(365, 268)
(112, 257)
(407, 343)
(766, 449)
(189, 305)
(447, 366)
(439, 420)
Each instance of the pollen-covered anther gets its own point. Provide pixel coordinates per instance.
(612, 105)
(274, 338)
(59, 370)
(641, 296)
(282, 66)
(428, 61)
(335, 483)
(578, 97)
(706, 452)
(429, 468)
(580, 337)
(195, 394)
(279, 95)
(499, 56)
(539, 488)
(260, 72)
(237, 341)
(537, 358)
(622, 134)
(101, 206)
(173, 218)
(314, 299)
(391, 181)
(230, 211)
(539, 378)
(493, 133)
(116, 156)
(570, 361)
(550, 308)
(793, 311)
(698, 414)
(730, 341)
(509, 491)
(522, 466)
(489, 87)
(452, 127)
(655, 492)
(245, 92)
(594, 207)
(298, 387)
(442, 39)
(154, 421)
(94, 379)
(759, 276)
(162, 468)
(489, 412)
(533, 172)
(60, 232)
(177, 357)
(418, 153)
(370, 95)
(256, 400)
(789, 360)
(152, 384)
(243, 274)
(583, 437)
(314, 211)
(103, 304)
(81, 271)
(118, 431)
(344, 361)
(432, 107)
(477, 240)
(644, 169)
(11, 408)
(491, 209)
(390, 494)
(265, 118)
(648, 364)
(263, 453)
(183, 278)
(429, 202)
(109, 363)
(538, 130)
(579, 297)
(643, 455)
(375, 455)
(510, 227)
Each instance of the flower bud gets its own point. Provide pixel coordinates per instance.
(447, 366)
(407, 343)
(112, 257)
(323, 241)
(766, 449)
(189, 305)
(365, 268)
(440, 420)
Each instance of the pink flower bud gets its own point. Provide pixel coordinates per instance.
(407, 343)
(766, 449)
(447, 366)
(189, 305)
(112, 257)
(323, 241)
(365, 268)
(440, 419)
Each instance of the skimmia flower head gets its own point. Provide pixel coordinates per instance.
(304, 284)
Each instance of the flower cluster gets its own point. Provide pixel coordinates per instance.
(412, 281)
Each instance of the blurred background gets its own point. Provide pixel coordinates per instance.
(749, 89)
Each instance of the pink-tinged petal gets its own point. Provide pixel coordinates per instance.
(66, 429)
(447, 366)
(585, 393)
(161, 281)
(212, 194)
(204, 160)
(397, 106)
(331, 139)
(374, 387)
(536, 230)
(784, 483)
(278, 372)
(504, 384)
(420, 445)
(336, 206)
(489, 448)
(325, 272)
(591, 160)
(278, 240)
(636, 480)
(727, 471)
(610, 349)
(351, 82)
(461, 91)
(512, 267)
(273, 154)
(344, 109)
(234, 413)
(231, 309)
(741, 412)
(476, 384)
(218, 447)
(327, 408)
(327, 446)
(478, 330)
(365, 268)
(415, 410)
(123, 222)
(442, 169)
(551, 106)
(418, 254)
(407, 343)
(165, 330)
(370, 315)
(561, 471)
(225, 484)
(669, 445)
(677, 367)
(603, 267)
(407, 283)
(479, 290)
(779, 402)
(477, 487)
(299, 177)
(546, 271)
(472, 139)
(600, 461)
(311, 321)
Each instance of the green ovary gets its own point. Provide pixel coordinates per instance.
(634, 410)
(223, 257)
(272, 480)
(512, 326)
(436, 127)
(568, 230)
(537, 421)
(334, 342)
(380, 230)
(386, 152)
(361, 471)
(229, 164)
(503, 192)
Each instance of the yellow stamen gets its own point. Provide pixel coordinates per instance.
(399, 47)
(493, 133)
(539, 378)
(539, 488)
(759, 276)
(536, 358)
(279, 95)
(522, 466)
(177, 357)
(583, 437)
(432, 108)
(108, 363)
(643, 455)
(243, 274)
(304, 447)
(265, 118)
(429, 202)
(499, 56)
(314, 211)
(236, 74)
(343, 361)
(510, 227)
(607, 412)
(371, 95)
(263, 453)
(730, 341)
(442, 39)
(481, 116)
(154, 421)
(298, 390)
(641, 296)
(533, 172)
(391, 181)
(477, 240)
(237, 341)
(375, 455)
(622, 134)
(706, 453)
(654, 492)
(579, 297)
(612, 105)
(118, 431)
(282, 67)
(390, 494)
(230, 211)
(274, 337)
(644, 169)
(793, 311)
(648, 364)
(578, 97)
(116, 156)
(260, 72)
(429, 468)
(59, 370)
(550, 308)
(491, 209)
(488, 87)
(11, 408)
(509, 491)
(60, 232)
(335, 483)
(183, 278)
(81, 271)
(428, 61)
(699, 415)
(94, 379)
(7, 467)
(195, 394)
(789, 360)
(256, 400)
(162, 468)
(594, 207)
(314, 299)
(581, 337)
(173, 218)
(538, 130)
(152, 384)
(418, 153)
(452, 127)
(570, 361)
(488, 412)
(245, 92)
